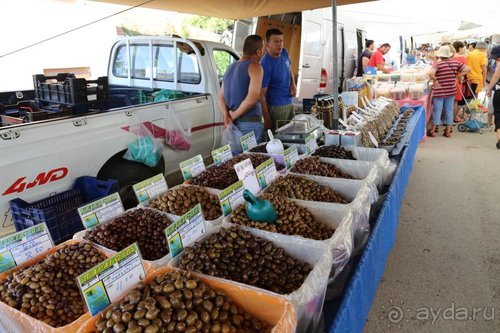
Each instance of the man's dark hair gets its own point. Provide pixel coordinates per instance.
(273, 32)
(458, 45)
(252, 44)
(369, 43)
(473, 44)
(385, 45)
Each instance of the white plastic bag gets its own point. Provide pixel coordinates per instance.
(231, 136)
(178, 135)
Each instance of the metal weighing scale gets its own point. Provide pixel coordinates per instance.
(299, 128)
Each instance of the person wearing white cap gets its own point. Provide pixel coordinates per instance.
(444, 75)
(476, 61)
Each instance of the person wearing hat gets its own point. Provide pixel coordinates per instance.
(444, 74)
(495, 86)
(476, 61)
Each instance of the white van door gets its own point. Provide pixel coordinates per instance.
(311, 55)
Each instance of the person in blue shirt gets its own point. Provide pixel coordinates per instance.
(278, 84)
(239, 98)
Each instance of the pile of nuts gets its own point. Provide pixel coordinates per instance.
(314, 166)
(297, 187)
(259, 149)
(334, 152)
(224, 175)
(179, 201)
(292, 220)
(237, 255)
(144, 226)
(177, 302)
(399, 130)
(48, 290)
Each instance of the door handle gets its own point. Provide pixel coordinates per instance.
(306, 66)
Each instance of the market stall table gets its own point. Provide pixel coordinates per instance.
(361, 289)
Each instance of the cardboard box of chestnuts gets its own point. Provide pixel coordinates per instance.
(197, 301)
(41, 295)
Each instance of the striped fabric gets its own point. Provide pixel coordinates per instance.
(446, 75)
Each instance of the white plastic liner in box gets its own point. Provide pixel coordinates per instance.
(360, 194)
(338, 217)
(360, 170)
(213, 191)
(155, 263)
(309, 298)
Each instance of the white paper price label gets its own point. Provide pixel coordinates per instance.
(192, 167)
(266, 173)
(185, 231)
(101, 210)
(311, 144)
(108, 281)
(150, 188)
(373, 139)
(24, 245)
(291, 156)
(231, 197)
(248, 141)
(222, 154)
(246, 173)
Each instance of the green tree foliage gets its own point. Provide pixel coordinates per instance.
(214, 24)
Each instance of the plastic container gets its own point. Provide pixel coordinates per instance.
(79, 236)
(398, 93)
(17, 321)
(60, 211)
(275, 311)
(416, 91)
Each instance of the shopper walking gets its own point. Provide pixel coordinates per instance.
(476, 61)
(278, 85)
(495, 86)
(460, 56)
(377, 58)
(444, 74)
(239, 98)
(364, 57)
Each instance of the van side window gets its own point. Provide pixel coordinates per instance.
(223, 59)
(120, 65)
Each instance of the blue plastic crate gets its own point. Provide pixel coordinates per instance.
(59, 211)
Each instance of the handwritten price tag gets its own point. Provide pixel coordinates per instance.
(108, 281)
(192, 167)
(101, 210)
(150, 188)
(246, 173)
(231, 197)
(185, 231)
(24, 245)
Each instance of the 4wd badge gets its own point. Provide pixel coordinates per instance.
(41, 179)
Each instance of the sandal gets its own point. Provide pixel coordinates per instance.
(447, 134)
(431, 133)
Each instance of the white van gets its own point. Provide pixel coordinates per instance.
(308, 36)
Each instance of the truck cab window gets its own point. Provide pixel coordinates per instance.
(223, 59)
(120, 65)
(140, 61)
(164, 63)
(187, 63)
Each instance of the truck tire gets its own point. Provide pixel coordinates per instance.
(128, 173)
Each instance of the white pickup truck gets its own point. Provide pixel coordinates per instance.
(44, 157)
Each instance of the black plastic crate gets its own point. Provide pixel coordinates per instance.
(59, 211)
(65, 88)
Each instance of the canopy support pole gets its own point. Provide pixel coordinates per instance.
(335, 67)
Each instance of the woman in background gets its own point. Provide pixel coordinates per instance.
(460, 56)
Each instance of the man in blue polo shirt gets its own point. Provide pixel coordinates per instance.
(278, 85)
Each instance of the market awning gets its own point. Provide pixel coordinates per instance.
(233, 9)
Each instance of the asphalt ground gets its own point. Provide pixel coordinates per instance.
(443, 273)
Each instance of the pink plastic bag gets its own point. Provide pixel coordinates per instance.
(177, 136)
